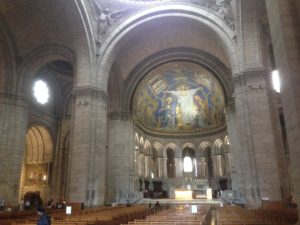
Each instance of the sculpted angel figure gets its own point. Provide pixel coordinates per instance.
(104, 18)
(225, 11)
(223, 6)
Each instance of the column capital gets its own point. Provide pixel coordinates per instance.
(90, 91)
(230, 107)
(12, 99)
(126, 116)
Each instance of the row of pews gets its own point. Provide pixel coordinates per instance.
(95, 216)
(235, 215)
(180, 215)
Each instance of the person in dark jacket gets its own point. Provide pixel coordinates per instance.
(44, 218)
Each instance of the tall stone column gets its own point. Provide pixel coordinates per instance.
(179, 167)
(219, 170)
(142, 165)
(88, 152)
(136, 162)
(120, 174)
(284, 26)
(147, 166)
(13, 120)
(235, 166)
(225, 166)
(160, 168)
(165, 169)
(246, 125)
(215, 166)
(202, 167)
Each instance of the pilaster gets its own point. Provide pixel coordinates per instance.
(13, 120)
(88, 151)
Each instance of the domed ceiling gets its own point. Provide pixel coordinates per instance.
(179, 97)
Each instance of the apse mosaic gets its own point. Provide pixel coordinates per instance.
(179, 97)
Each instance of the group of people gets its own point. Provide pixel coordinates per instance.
(2, 204)
(155, 207)
(54, 204)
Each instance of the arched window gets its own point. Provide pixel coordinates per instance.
(171, 166)
(189, 158)
(36, 172)
(187, 164)
(41, 91)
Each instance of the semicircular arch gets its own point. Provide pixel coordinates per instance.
(113, 42)
(39, 145)
(36, 59)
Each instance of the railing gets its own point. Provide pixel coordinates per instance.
(126, 197)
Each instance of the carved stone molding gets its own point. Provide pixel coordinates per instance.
(120, 116)
(90, 91)
(107, 13)
(11, 99)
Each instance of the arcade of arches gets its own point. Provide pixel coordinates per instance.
(149, 96)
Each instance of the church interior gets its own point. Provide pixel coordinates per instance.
(111, 102)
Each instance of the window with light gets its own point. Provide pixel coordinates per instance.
(187, 164)
(276, 81)
(41, 92)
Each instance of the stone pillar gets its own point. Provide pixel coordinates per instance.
(165, 173)
(88, 152)
(179, 167)
(235, 168)
(214, 162)
(142, 165)
(13, 120)
(246, 127)
(202, 167)
(284, 26)
(219, 169)
(160, 167)
(120, 174)
(147, 166)
(136, 162)
(225, 166)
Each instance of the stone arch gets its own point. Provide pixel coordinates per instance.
(172, 146)
(204, 145)
(39, 155)
(218, 146)
(188, 145)
(158, 147)
(39, 136)
(147, 147)
(113, 41)
(171, 164)
(37, 58)
(45, 125)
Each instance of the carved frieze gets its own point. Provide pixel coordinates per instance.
(106, 13)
